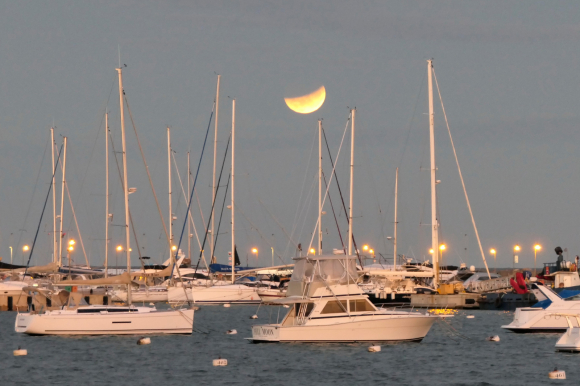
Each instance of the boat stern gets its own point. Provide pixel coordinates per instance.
(23, 322)
(265, 333)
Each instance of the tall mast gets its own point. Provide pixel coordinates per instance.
(171, 255)
(434, 222)
(320, 187)
(189, 212)
(54, 244)
(217, 110)
(107, 194)
(351, 184)
(233, 190)
(125, 183)
(62, 205)
(395, 233)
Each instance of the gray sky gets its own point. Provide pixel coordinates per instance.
(508, 73)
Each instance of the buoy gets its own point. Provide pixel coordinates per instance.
(494, 338)
(470, 317)
(20, 352)
(227, 305)
(220, 362)
(231, 332)
(286, 306)
(557, 374)
(151, 304)
(254, 317)
(374, 348)
(144, 341)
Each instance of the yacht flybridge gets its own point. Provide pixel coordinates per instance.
(326, 305)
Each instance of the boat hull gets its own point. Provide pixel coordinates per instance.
(370, 329)
(538, 320)
(234, 294)
(114, 323)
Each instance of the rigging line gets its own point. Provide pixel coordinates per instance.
(33, 193)
(334, 214)
(212, 205)
(262, 236)
(277, 222)
(183, 192)
(307, 204)
(221, 214)
(296, 216)
(41, 215)
(130, 214)
(94, 145)
(147, 169)
(461, 176)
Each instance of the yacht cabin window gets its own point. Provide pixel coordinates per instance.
(334, 307)
(360, 305)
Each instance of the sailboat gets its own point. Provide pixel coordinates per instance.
(108, 320)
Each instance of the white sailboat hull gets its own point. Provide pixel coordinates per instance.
(217, 294)
(105, 323)
(368, 328)
(142, 296)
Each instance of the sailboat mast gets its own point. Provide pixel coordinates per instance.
(188, 212)
(350, 243)
(171, 255)
(395, 232)
(217, 110)
(233, 189)
(320, 187)
(62, 204)
(54, 244)
(125, 183)
(107, 194)
(434, 222)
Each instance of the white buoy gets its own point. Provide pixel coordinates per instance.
(220, 362)
(254, 317)
(286, 306)
(494, 338)
(470, 317)
(227, 305)
(20, 352)
(557, 374)
(374, 348)
(232, 332)
(143, 341)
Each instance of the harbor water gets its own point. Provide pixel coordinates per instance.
(455, 352)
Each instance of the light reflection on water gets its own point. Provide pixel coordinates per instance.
(442, 358)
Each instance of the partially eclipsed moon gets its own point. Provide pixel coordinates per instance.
(307, 104)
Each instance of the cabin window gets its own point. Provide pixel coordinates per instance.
(333, 307)
(309, 309)
(360, 305)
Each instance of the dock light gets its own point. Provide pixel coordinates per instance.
(254, 250)
(71, 242)
(174, 248)
(119, 248)
(313, 251)
(25, 248)
(494, 253)
(71, 248)
(365, 247)
(537, 247)
(442, 247)
(431, 251)
(515, 260)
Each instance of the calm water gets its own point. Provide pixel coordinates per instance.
(441, 359)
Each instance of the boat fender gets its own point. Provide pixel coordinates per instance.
(227, 305)
(220, 362)
(557, 374)
(232, 332)
(286, 306)
(374, 348)
(144, 341)
(254, 317)
(20, 352)
(494, 338)
(470, 317)
(392, 296)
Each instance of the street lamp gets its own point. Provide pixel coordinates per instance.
(442, 247)
(537, 247)
(494, 253)
(365, 247)
(174, 248)
(25, 248)
(119, 249)
(312, 251)
(431, 251)
(255, 252)
(516, 250)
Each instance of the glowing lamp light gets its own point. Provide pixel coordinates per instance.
(537, 247)
(312, 250)
(442, 247)
(372, 251)
(492, 251)
(254, 250)
(174, 248)
(25, 248)
(70, 248)
(517, 248)
(431, 251)
(119, 248)
(71, 242)
(365, 247)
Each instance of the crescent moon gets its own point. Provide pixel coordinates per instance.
(307, 104)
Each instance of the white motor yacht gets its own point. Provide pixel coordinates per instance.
(541, 317)
(328, 306)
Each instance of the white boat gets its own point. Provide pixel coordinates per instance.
(144, 294)
(106, 320)
(570, 340)
(543, 316)
(328, 306)
(214, 294)
(267, 294)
